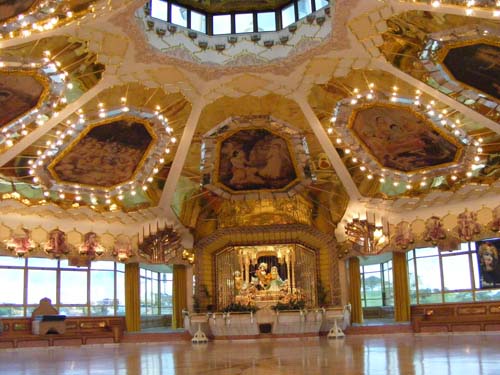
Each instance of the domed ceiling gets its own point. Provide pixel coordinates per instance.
(110, 116)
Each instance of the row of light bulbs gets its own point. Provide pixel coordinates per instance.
(83, 194)
(50, 69)
(469, 6)
(45, 16)
(408, 179)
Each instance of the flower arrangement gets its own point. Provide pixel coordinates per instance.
(240, 307)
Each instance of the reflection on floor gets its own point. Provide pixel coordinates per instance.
(408, 354)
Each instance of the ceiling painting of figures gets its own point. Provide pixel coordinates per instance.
(255, 159)
(401, 139)
(11, 8)
(107, 155)
(19, 93)
(477, 65)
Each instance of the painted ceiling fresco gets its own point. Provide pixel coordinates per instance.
(11, 8)
(401, 139)
(477, 65)
(255, 159)
(19, 93)
(107, 155)
(112, 67)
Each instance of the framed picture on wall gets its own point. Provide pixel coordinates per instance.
(489, 266)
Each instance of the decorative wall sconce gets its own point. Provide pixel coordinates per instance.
(434, 230)
(404, 236)
(495, 224)
(57, 245)
(188, 255)
(468, 225)
(20, 243)
(90, 246)
(370, 238)
(160, 247)
(122, 251)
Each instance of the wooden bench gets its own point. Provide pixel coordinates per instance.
(17, 332)
(456, 317)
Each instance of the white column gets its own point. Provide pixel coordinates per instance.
(179, 160)
(328, 147)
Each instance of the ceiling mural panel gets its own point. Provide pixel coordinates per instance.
(477, 65)
(255, 159)
(455, 54)
(12, 8)
(250, 150)
(19, 93)
(401, 139)
(106, 155)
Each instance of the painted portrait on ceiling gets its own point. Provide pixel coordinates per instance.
(489, 267)
(400, 139)
(255, 159)
(476, 65)
(106, 156)
(11, 8)
(19, 93)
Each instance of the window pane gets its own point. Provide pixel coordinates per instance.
(266, 21)
(429, 279)
(456, 272)
(222, 24)
(198, 22)
(288, 15)
(179, 15)
(12, 311)
(103, 265)
(12, 282)
(488, 295)
(320, 3)
(73, 310)
(65, 264)
(42, 262)
(244, 23)
(102, 292)
(412, 282)
(41, 284)
(304, 8)
(159, 9)
(11, 261)
(458, 297)
(120, 293)
(426, 251)
(73, 287)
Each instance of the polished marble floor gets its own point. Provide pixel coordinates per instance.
(457, 354)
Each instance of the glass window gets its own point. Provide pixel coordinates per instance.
(73, 287)
(304, 8)
(320, 3)
(222, 24)
(429, 280)
(42, 262)
(244, 22)
(456, 272)
(67, 287)
(179, 15)
(102, 293)
(266, 21)
(12, 282)
(120, 293)
(11, 261)
(288, 15)
(198, 22)
(159, 9)
(41, 284)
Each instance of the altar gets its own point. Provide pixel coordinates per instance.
(264, 276)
